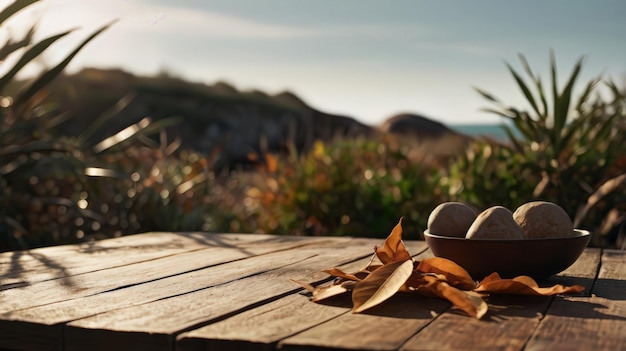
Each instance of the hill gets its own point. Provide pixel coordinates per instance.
(219, 116)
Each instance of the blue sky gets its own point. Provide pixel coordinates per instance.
(362, 58)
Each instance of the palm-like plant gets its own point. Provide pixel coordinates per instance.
(28, 148)
(45, 176)
(570, 146)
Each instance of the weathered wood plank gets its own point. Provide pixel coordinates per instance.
(261, 328)
(595, 323)
(611, 282)
(268, 324)
(582, 272)
(22, 268)
(576, 323)
(73, 307)
(510, 322)
(99, 281)
(384, 327)
(162, 319)
(76, 308)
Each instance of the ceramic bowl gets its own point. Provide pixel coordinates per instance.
(537, 258)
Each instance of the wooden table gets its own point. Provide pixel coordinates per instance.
(199, 291)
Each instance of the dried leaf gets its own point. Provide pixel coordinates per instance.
(522, 285)
(468, 301)
(372, 267)
(358, 276)
(324, 292)
(393, 250)
(414, 282)
(380, 285)
(491, 277)
(454, 274)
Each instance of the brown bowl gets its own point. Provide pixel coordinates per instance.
(537, 258)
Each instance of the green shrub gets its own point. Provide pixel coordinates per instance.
(489, 174)
(347, 187)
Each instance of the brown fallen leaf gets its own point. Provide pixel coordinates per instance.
(522, 285)
(469, 302)
(380, 285)
(323, 292)
(358, 276)
(415, 281)
(455, 275)
(393, 249)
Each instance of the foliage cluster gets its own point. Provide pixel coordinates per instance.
(351, 187)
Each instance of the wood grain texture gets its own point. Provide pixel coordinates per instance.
(141, 283)
(611, 282)
(261, 328)
(575, 323)
(182, 312)
(268, 324)
(510, 322)
(103, 280)
(76, 308)
(23, 268)
(384, 327)
(582, 272)
(595, 323)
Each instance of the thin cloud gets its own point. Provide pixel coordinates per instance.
(206, 24)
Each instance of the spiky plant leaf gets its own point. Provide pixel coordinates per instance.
(527, 94)
(104, 117)
(30, 55)
(14, 8)
(11, 46)
(50, 74)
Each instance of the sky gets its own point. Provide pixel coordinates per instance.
(360, 58)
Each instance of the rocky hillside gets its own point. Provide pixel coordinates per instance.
(219, 116)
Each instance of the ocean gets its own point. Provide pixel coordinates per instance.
(495, 131)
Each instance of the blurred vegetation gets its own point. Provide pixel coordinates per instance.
(58, 187)
(356, 187)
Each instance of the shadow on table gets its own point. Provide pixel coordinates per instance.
(16, 270)
(501, 307)
(612, 289)
(585, 309)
